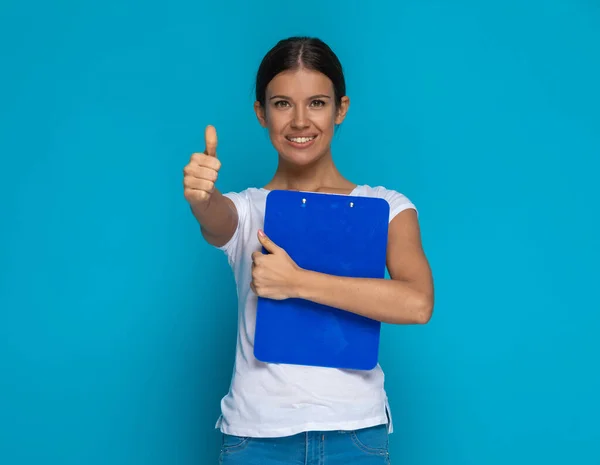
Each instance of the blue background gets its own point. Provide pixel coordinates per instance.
(117, 323)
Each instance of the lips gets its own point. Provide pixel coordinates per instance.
(301, 142)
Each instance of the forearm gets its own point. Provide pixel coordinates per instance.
(217, 218)
(385, 300)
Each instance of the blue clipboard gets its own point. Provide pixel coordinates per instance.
(334, 234)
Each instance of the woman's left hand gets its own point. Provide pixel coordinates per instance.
(274, 275)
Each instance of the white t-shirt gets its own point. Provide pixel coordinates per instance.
(274, 400)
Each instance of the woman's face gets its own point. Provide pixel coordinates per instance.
(300, 114)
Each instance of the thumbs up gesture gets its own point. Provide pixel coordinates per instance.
(200, 174)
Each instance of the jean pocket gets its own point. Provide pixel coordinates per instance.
(232, 444)
(374, 440)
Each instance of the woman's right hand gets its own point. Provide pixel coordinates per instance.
(201, 173)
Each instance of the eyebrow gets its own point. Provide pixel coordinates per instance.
(310, 98)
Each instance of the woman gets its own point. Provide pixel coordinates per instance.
(294, 414)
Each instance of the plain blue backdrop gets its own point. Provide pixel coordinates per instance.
(117, 323)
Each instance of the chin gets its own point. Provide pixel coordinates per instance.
(300, 159)
(300, 156)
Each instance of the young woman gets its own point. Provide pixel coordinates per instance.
(278, 414)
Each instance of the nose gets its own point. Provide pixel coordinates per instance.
(299, 120)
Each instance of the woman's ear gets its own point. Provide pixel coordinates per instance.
(342, 110)
(261, 114)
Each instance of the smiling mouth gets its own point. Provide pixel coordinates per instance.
(301, 140)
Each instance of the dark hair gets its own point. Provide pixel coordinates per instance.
(300, 52)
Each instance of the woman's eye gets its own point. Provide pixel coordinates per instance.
(281, 104)
(317, 103)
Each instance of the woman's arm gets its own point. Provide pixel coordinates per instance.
(216, 214)
(405, 299)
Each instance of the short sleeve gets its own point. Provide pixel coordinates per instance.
(398, 202)
(240, 201)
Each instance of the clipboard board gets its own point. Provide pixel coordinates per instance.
(335, 234)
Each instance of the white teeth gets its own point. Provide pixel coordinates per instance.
(301, 140)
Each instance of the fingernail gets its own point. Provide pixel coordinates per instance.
(261, 233)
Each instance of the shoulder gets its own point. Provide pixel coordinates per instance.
(397, 201)
(243, 200)
(248, 193)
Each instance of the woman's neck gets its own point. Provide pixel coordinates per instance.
(321, 176)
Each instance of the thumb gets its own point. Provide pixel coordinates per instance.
(210, 140)
(266, 242)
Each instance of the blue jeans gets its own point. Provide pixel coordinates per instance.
(367, 446)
